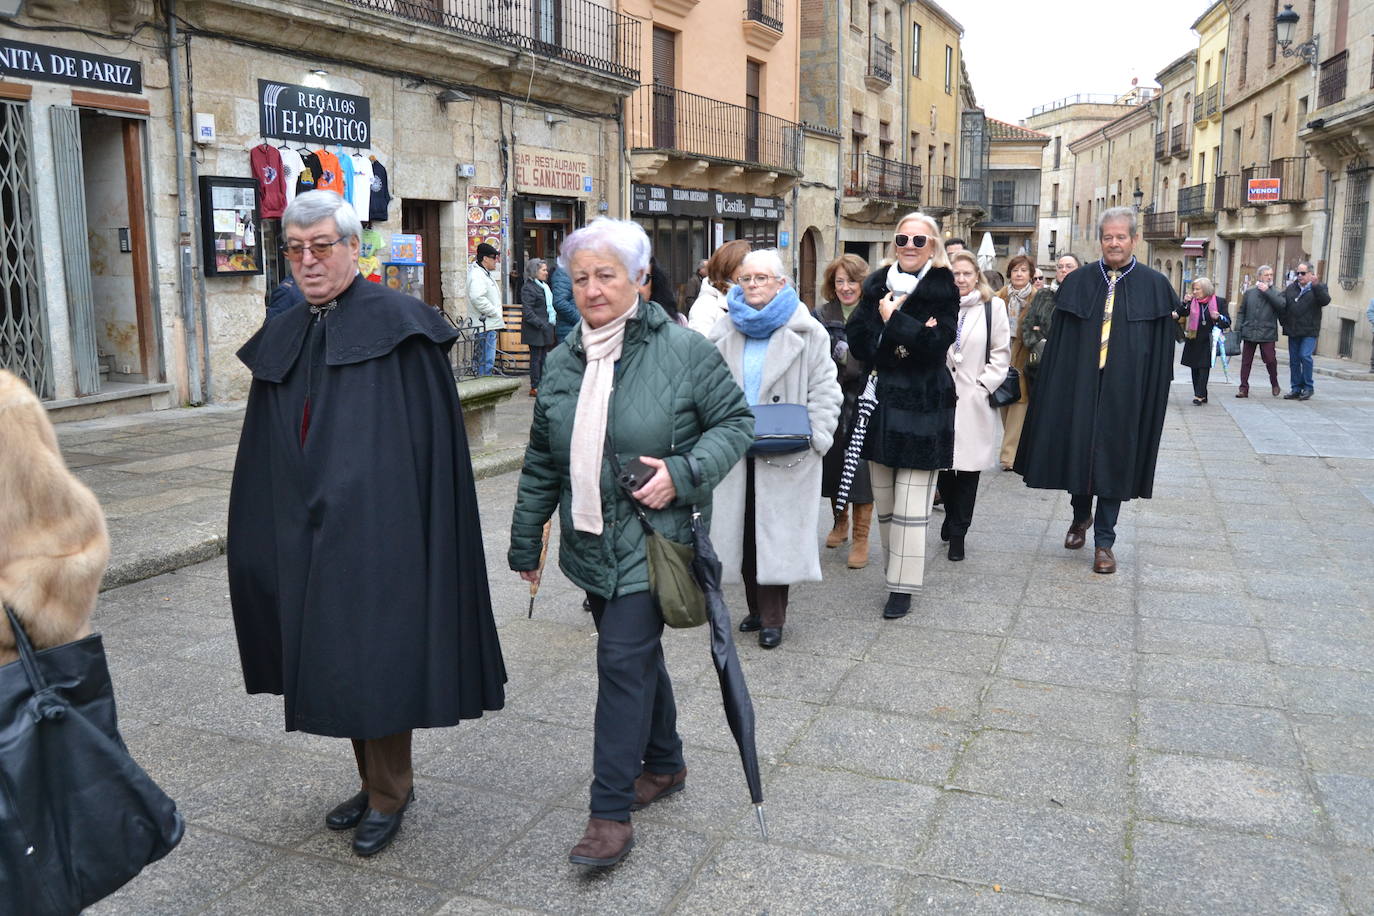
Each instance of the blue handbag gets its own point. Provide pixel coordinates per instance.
(780, 428)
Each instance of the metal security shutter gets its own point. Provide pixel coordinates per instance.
(23, 317)
(76, 257)
(665, 57)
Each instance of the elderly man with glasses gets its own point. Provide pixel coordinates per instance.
(1301, 318)
(356, 571)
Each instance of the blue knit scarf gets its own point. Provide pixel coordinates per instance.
(761, 323)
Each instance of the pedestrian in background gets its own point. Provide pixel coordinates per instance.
(537, 319)
(484, 306)
(1301, 318)
(1017, 295)
(1203, 311)
(356, 570)
(954, 246)
(693, 287)
(658, 288)
(904, 324)
(721, 269)
(978, 359)
(842, 288)
(675, 408)
(283, 297)
(1257, 321)
(764, 527)
(563, 304)
(1035, 327)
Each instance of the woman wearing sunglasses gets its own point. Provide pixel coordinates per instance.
(903, 326)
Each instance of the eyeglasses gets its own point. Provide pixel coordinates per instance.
(916, 241)
(321, 250)
(755, 280)
(1300, 272)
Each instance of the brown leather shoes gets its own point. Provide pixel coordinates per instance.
(1103, 561)
(1076, 536)
(605, 843)
(650, 787)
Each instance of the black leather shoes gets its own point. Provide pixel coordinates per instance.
(770, 637)
(898, 605)
(750, 624)
(956, 549)
(347, 815)
(1306, 395)
(376, 830)
(1292, 395)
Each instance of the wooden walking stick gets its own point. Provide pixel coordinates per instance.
(543, 556)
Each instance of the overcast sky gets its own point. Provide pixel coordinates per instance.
(1024, 55)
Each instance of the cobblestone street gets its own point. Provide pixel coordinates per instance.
(1191, 735)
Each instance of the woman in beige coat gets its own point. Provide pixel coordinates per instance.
(766, 510)
(1017, 295)
(978, 369)
(53, 545)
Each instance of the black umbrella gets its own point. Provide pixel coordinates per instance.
(867, 402)
(739, 708)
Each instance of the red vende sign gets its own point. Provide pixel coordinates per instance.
(1262, 190)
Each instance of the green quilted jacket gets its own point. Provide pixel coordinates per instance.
(673, 396)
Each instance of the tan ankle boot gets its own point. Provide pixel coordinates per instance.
(841, 530)
(858, 551)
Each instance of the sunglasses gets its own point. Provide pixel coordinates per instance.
(321, 250)
(1301, 273)
(916, 241)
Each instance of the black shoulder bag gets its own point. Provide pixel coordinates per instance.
(1009, 392)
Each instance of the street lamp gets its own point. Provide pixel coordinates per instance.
(1137, 195)
(1285, 25)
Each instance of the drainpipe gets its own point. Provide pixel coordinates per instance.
(839, 122)
(195, 394)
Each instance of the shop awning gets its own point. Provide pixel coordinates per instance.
(1196, 246)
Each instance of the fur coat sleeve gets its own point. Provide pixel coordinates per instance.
(53, 545)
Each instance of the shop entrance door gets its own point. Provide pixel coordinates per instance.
(421, 217)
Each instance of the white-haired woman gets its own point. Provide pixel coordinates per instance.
(765, 523)
(903, 326)
(676, 409)
(1200, 313)
(978, 360)
(538, 318)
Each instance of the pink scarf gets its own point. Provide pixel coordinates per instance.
(1195, 313)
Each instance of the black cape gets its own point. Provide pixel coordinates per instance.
(1097, 432)
(356, 569)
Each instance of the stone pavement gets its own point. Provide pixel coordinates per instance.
(1192, 735)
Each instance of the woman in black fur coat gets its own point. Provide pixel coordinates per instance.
(904, 325)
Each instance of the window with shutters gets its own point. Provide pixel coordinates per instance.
(949, 70)
(1355, 227)
(915, 49)
(753, 97)
(665, 95)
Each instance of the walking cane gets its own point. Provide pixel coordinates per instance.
(543, 555)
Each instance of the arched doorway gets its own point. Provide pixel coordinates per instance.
(806, 281)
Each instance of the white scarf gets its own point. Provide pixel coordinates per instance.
(602, 346)
(903, 283)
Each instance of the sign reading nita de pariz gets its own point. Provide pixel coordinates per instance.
(75, 68)
(290, 112)
(551, 171)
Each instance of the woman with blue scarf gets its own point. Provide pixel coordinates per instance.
(766, 510)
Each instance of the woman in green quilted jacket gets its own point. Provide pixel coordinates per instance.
(630, 383)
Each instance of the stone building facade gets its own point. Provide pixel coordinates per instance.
(1111, 163)
(1162, 230)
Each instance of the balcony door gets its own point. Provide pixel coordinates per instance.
(1003, 201)
(753, 86)
(665, 92)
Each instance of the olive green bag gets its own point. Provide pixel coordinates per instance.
(675, 590)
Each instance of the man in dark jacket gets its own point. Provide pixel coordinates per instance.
(1257, 322)
(356, 572)
(1303, 301)
(1094, 425)
(563, 303)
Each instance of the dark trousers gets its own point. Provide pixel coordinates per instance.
(384, 765)
(537, 355)
(1200, 376)
(767, 602)
(1104, 521)
(1247, 358)
(959, 489)
(636, 718)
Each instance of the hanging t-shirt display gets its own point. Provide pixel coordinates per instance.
(369, 260)
(329, 178)
(309, 179)
(291, 168)
(362, 185)
(381, 195)
(267, 169)
(345, 172)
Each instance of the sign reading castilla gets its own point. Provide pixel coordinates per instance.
(75, 68)
(290, 112)
(648, 199)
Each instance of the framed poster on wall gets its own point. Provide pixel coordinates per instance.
(230, 226)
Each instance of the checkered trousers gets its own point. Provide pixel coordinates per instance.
(902, 499)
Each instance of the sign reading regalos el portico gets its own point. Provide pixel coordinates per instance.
(552, 172)
(290, 112)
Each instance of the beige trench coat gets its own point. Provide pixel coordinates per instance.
(977, 426)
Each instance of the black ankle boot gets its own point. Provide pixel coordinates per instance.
(956, 548)
(750, 624)
(898, 605)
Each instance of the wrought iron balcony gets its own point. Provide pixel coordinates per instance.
(579, 32)
(1227, 192)
(883, 179)
(1291, 173)
(1162, 145)
(1331, 80)
(880, 60)
(1162, 226)
(1178, 140)
(972, 192)
(943, 195)
(1010, 215)
(1194, 202)
(1213, 99)
(768, 12)
(695, 126)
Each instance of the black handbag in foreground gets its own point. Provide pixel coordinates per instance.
(1009, 392)
(78, 817)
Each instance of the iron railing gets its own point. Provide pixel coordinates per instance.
(885, 179)
(880, 59)
(972, 192)
(1291, 172)
(1356, 225)
(579, 32)
(1178, 140)
(767, 12)
(466, 352)
(1011, 215)
(24, 344)
(1194, 202)
(942, 195)
(663, 118)
(1161, 225)
(1162, 145)
(1083, 98)
(1213, 99)
(1331, 80)
(1227, 192)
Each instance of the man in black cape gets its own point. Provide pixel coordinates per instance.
(356, 569)
(1097, 410)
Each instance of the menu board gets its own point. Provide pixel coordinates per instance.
(231, 240)
(484, 219)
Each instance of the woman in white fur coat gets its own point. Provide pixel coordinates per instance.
(765, 513)
(978, 369)
(53, 545)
